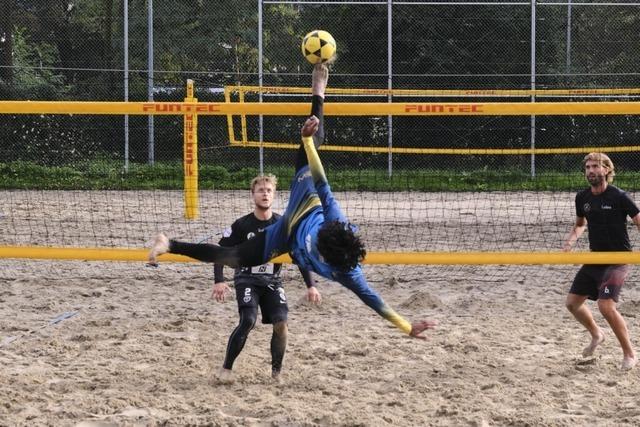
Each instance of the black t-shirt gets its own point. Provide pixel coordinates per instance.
(242, 230)
(606, 215)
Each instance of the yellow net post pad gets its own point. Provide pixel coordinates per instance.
(190, 156)
(415, 258)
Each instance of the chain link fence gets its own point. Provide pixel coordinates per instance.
(52, 50)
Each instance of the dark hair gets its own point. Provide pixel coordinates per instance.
(340, 246)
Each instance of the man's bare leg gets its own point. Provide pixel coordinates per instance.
(575, 304)
(619, 327)
(319, 79)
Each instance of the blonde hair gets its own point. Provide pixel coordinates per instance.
(604, 160)
(268, 178)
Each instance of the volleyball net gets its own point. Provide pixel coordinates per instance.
(416, 214)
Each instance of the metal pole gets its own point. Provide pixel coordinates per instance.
(390, 80)
(568, 64)
(126, 83)
(260, 53)
(533, 84)
(150, 80)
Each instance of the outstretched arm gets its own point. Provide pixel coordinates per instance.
(309, 129)
(313, 295)
(332, 211)
(357, 283)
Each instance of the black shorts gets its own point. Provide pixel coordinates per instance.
(600, 281)
(271, 299)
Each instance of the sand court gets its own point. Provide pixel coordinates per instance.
(99, 343)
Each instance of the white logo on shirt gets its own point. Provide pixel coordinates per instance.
(307, 242)
(262, 269)
(307, 174)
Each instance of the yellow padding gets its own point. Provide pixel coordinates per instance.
(330, 109)
(417, 258)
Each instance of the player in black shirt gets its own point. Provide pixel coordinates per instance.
(259, 286)
(603, 210)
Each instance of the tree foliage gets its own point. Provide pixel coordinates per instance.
(69, 49)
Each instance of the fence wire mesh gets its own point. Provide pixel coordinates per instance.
(52, 50)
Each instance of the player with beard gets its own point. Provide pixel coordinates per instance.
(602, 209)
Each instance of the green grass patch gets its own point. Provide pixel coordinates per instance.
(110, 175)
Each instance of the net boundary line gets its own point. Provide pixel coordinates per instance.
(437, 92)
(443, 151)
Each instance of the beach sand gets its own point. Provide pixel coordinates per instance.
(123, 344)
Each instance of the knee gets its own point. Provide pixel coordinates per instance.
(607, 308)
(247, 321)
(572, 306)
(280, 328)
(574, 302)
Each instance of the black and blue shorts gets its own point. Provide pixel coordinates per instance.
(600, 281)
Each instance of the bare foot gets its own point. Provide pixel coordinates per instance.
(225, 376)
(628, 363)
(329, 62)
(319, 79)
(276, 376)
(159, 246)
(595, 342)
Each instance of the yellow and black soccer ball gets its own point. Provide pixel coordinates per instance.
(318, 46)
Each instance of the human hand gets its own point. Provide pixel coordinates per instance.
(313, 295)
(220, 291)
(418, 327)
(310, 126)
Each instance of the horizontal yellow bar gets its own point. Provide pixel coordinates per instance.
(439, 92)
(332, 109)
(499, 258)
(463, 151)
(89, 254)
(422, 258)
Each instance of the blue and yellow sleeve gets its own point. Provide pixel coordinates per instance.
(393, 317)
(358, 285)
(315, 165)
(330, 207)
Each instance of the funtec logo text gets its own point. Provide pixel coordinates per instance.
(171, 107)
(443, 108)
